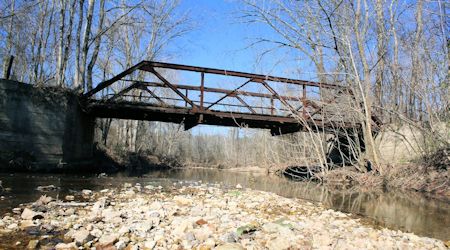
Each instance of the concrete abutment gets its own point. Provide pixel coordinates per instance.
(43, 128)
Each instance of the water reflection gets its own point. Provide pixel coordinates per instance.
(411, 212)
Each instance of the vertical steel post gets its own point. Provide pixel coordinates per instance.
(304, 101)
(271, 106)
(202, 89)
(185, 103)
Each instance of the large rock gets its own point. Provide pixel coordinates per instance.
(181, 200)
(68, 246)
(82, 236)
(279, 243)
(107, 240)
(33, 244)
(201, 234)
(111, 216)
(29, 214)
(24, 224)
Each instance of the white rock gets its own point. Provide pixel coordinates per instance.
(96, 233)
(108, 239)
(181, 200)
(29, 214)
(279, 243)
(86, 192)
(33, 244)
(201, 234)
(81, 236)
(229, 246)
(64, 246)
(12, 226)
(150, 244)
(69, 198)
(120, 245)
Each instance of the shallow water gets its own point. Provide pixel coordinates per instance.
(409, 212)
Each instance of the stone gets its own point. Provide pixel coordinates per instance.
(69, 198)
(181, 200)
(229, 246)
(66, 246)
(150, 244)
(12, 226)
(24, 224)
(96, 232)
(120, 245)
(86, 192)
(29, 214)
(279, 243)
(33, 244)
(17, 210)
(108, 239)
(182, 227)
(46, 188)
(230, 237)
(82, 236)
(274, 228)
(111, 216)
(201, 222)
(43, 200)
(202, 234)
(238, 186)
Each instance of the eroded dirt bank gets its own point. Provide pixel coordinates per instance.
(194, 217)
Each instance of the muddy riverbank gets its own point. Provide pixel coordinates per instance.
(195, 216)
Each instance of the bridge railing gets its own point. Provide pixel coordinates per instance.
(147, 83)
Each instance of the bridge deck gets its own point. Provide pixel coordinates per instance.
(280, 104)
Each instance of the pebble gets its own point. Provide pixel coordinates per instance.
(86, 192)
(82, 236)
(69, 198)
(33, 244)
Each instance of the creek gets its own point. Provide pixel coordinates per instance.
(405, 211)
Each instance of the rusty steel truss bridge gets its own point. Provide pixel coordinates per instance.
(189, 95)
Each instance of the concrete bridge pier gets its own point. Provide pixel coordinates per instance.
(43, 128)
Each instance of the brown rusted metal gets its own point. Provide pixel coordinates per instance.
(167, 83)
(202, 89)
(155, 96)
(245, 104)
(197, 109)
(147, 65)
(124, 91)
(230, 93)
(219, 90)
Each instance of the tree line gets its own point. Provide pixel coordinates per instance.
(393, 54)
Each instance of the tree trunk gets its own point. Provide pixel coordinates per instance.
(415, 61)
(381, 51)
(85, 48)
(62, 19)
(77, 79)
(96, 46)
(9, 43)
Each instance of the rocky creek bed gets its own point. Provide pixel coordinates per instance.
(192, 217)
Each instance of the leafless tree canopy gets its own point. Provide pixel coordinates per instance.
(394, 56)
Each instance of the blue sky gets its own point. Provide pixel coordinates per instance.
(220, 39)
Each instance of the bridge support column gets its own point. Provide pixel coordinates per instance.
(42, 128)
